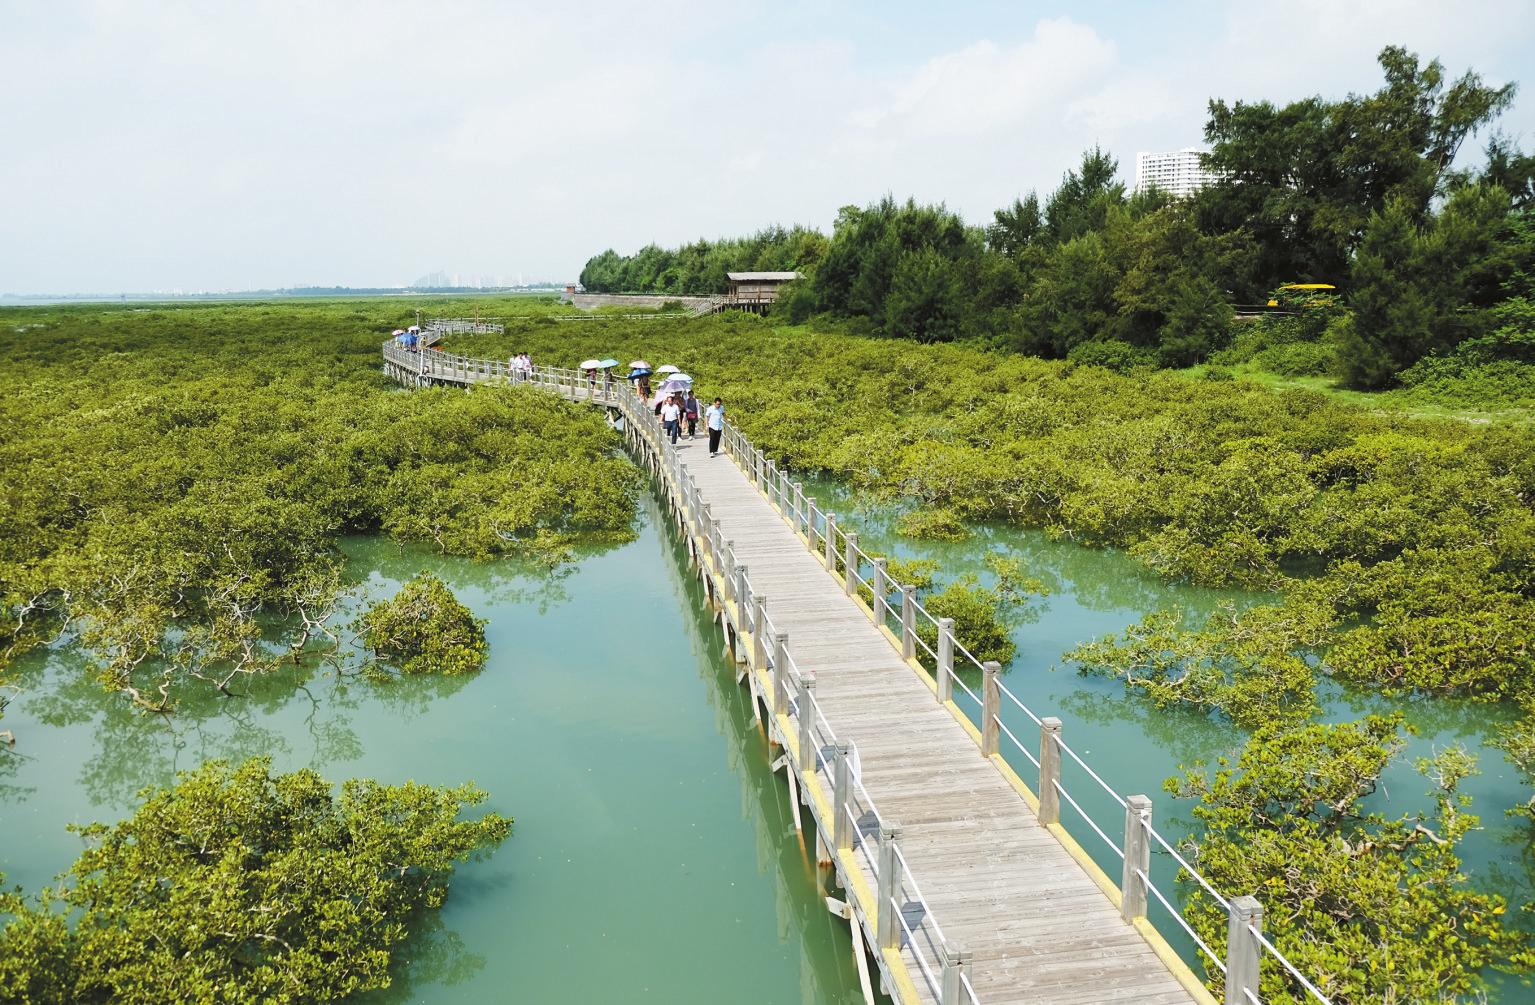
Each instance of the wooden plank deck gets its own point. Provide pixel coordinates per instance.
(1037, 927)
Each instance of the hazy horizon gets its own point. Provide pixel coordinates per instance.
(163, 147)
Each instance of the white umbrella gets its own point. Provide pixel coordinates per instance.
(675, 387)
(680, 378)
(668, 368)
(592, 364)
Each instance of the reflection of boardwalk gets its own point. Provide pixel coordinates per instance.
(963, 894)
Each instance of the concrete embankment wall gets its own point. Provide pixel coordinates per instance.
(586, 301)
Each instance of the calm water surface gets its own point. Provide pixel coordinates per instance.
(654, 857)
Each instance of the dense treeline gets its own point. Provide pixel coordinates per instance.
(178, 479)
(1360, 193)
(699, 268)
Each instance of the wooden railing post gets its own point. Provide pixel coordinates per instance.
(759, 632)
(780, 673)
(850, 563)
(886, 928)
(952, 963)
(881, 588)
(1242, 950)
(842, 790)
(1137, 849)
(810, 523)
(991, 707)
(1049, 770)
(945, 678)
(830, 557)
(908, 622)
(806, 702)
(742, 593)
(799, 507)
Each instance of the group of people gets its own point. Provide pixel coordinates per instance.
(677, 408)
(520, 364)
(408, 338)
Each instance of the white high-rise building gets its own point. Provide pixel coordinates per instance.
(1177, 173)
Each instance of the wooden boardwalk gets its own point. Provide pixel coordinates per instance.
(1036, 926)
(960, 891)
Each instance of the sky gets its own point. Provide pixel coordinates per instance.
(169, 145)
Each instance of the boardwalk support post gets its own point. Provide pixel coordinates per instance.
(881, 588)
(799, 506)
(831, 543)
(780, 673)
(1049, 770)
(842, 789)
(908, 622)
(1137, 849)
(850, 563)
(743, 596)
(945, 679)
(991, 707)
(1242, 950)
(886, 926)
(952, 963)
(807, 754)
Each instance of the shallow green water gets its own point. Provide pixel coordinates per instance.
(1134, 747)
(654, 857)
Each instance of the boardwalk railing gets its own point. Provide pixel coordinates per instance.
(895, 915)
(465, 326)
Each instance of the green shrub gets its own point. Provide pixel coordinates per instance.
(424, 629)
(933, 524)
(1121, 357)
(1299, 359)
(238, 885)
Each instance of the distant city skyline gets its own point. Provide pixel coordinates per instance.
(215, 147)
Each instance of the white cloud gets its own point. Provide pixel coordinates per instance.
(193, 145)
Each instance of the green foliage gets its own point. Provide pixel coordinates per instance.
(178, 479)
(1304, 178)
(1412, 282)
(1371, 908)
(1518, 742)
(984, 615)
(238, 885)
(699, 268)
(424, 629)
(1216, 482)
(1111, 354)
(933, 524)
(1251, 666)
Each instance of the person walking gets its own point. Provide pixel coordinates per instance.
(690, 412)
(714, 418)
(671, 415)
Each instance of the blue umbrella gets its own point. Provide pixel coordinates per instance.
(604, 364)
(637, 374)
